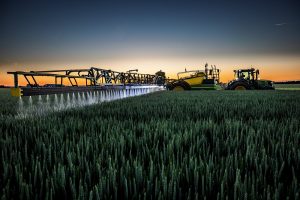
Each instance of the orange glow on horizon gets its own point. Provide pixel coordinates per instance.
(226, 76)
(276, 68)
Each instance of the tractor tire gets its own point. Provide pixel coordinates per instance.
(240, 85)
(170, 86)
(268, 88)
(181, 85)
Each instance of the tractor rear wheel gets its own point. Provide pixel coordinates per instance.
(170, 86)
(240, 86)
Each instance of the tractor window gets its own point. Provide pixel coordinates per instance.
(248, 75)
(242, 75)
(245, 75)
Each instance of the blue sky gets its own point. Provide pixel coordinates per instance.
(83, 32)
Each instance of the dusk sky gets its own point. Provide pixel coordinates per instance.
(151, 35)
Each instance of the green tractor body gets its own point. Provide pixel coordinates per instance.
(248, 79)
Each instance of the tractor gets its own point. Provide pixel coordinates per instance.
(207, 79)
(248, 79)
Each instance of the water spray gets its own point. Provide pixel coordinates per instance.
(27, 106)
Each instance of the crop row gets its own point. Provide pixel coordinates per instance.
(166, 145)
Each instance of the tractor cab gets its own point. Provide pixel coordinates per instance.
(246, 74)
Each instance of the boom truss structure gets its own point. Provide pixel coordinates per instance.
(95, 79)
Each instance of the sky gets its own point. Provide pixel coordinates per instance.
(151, 36)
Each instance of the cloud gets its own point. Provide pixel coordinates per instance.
(280, 24)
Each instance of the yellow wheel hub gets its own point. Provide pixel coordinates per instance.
(178, 88)
(240, 87)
